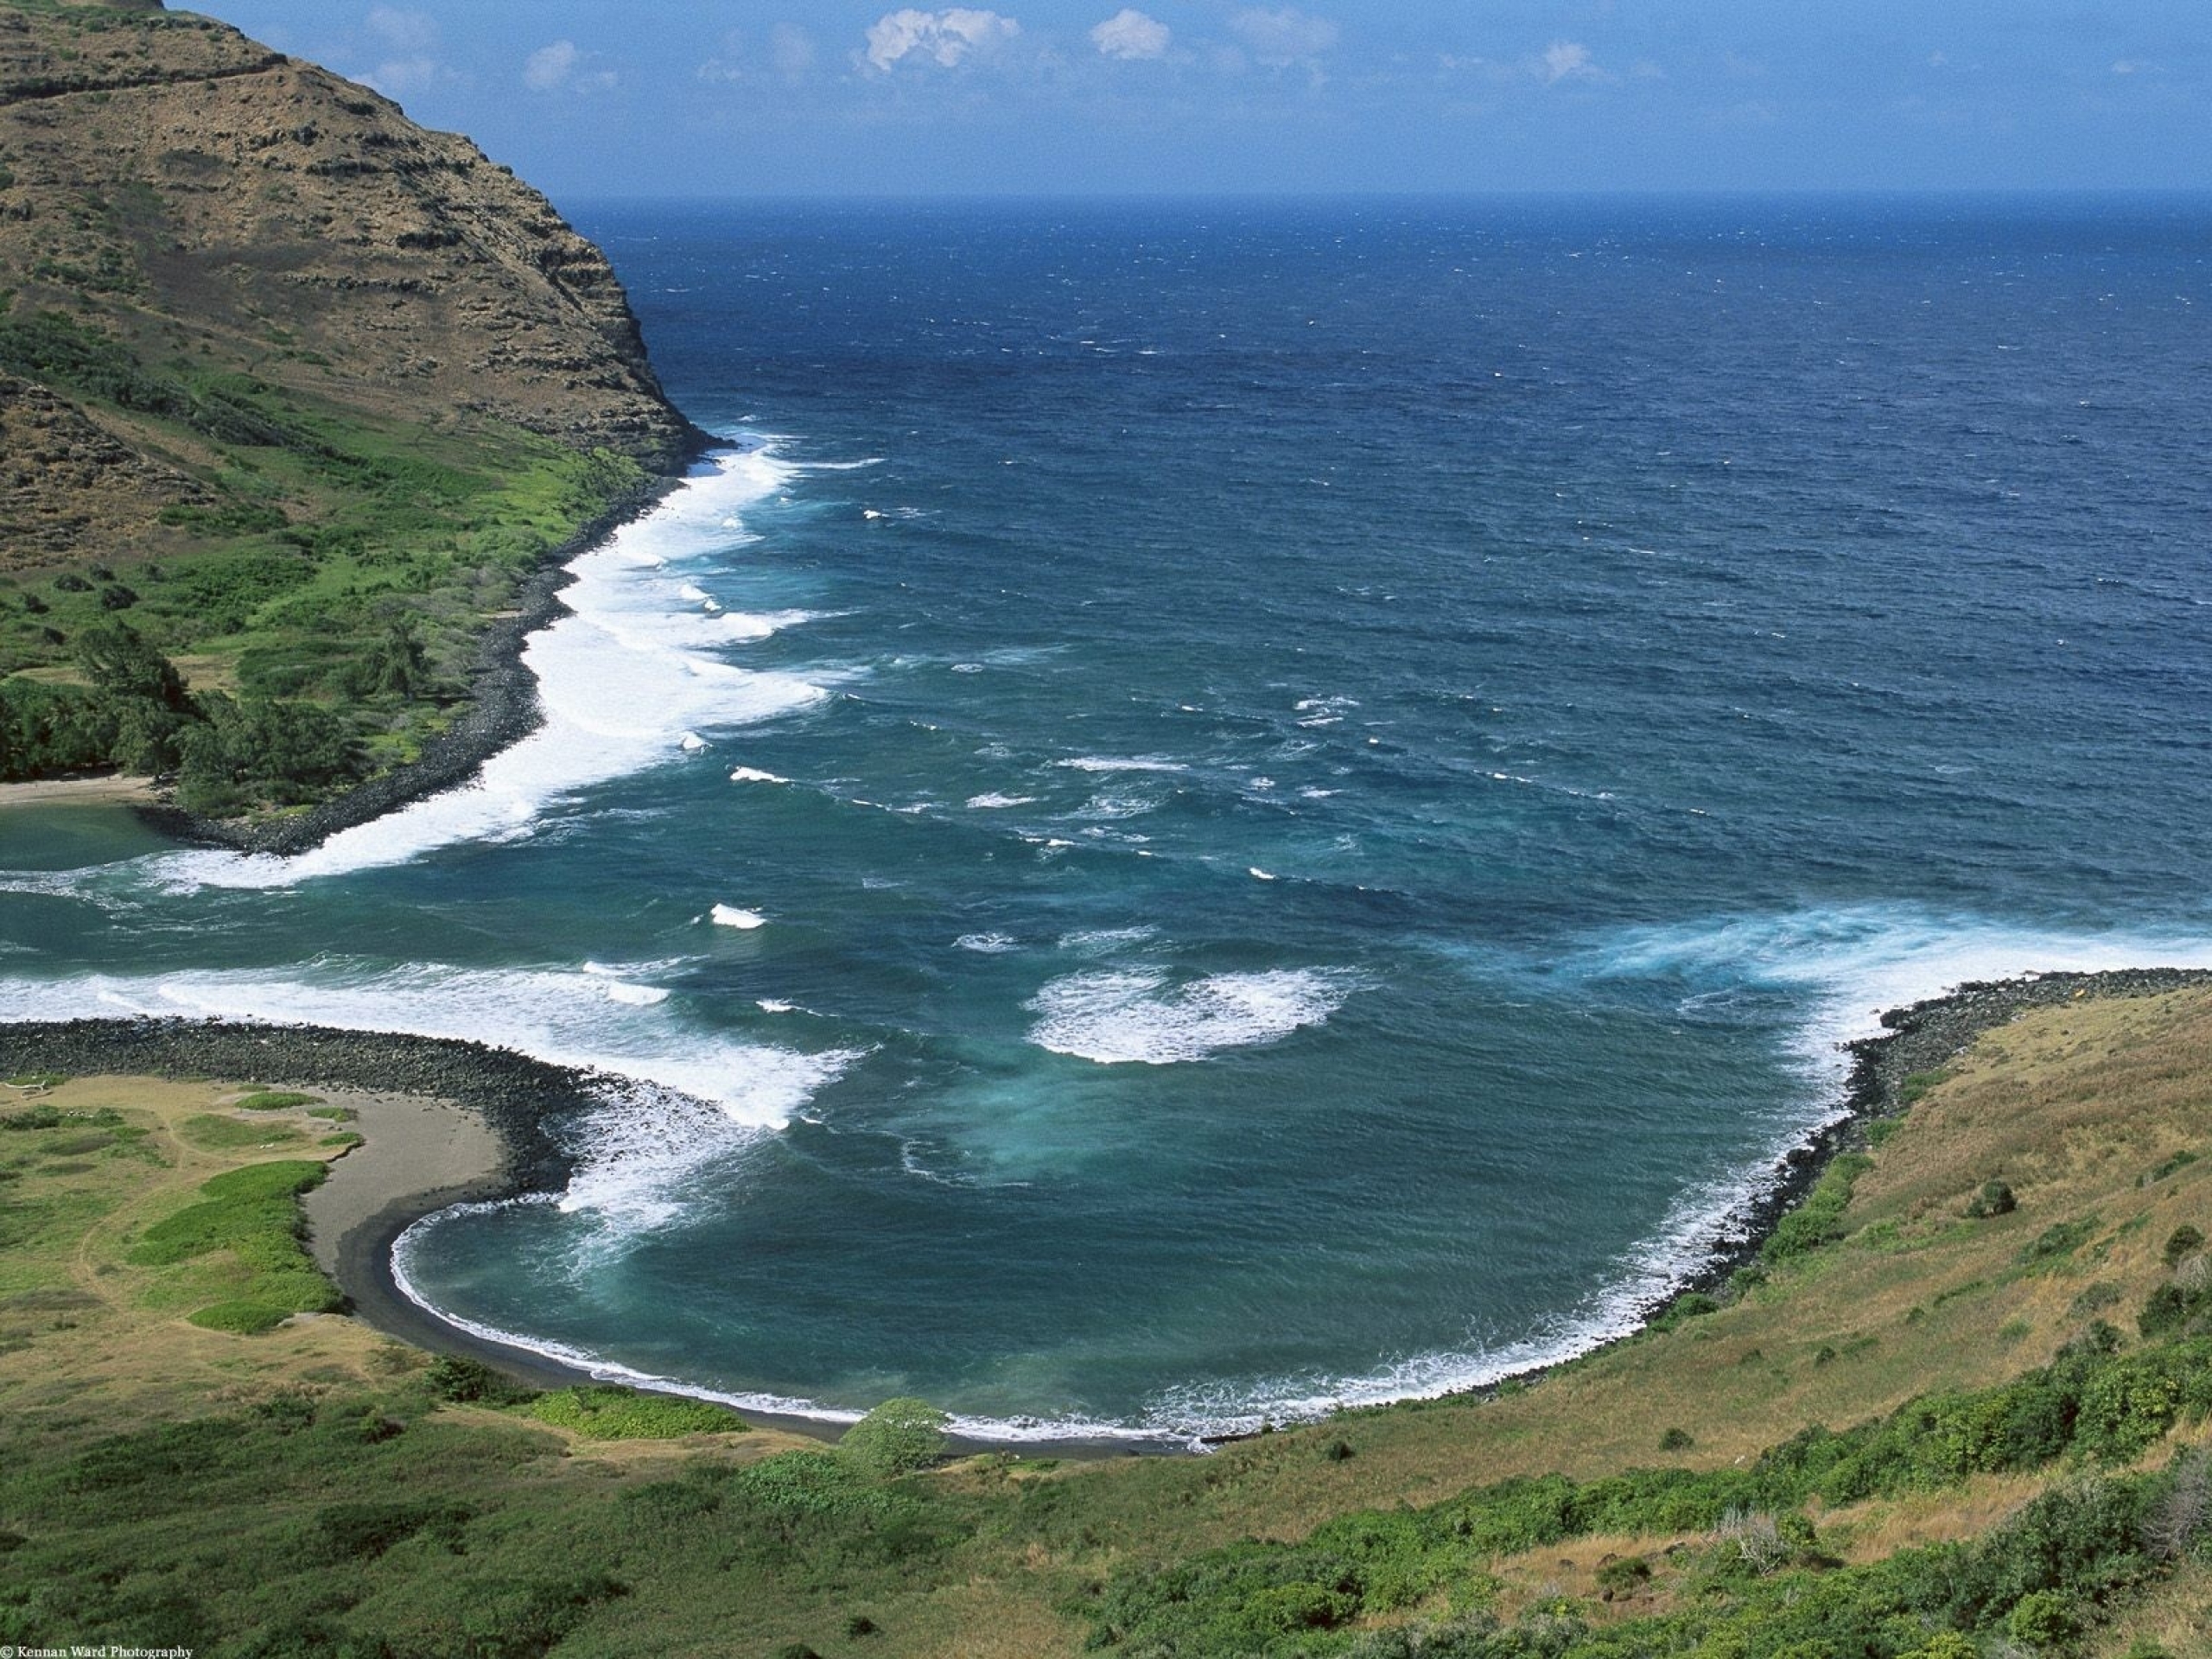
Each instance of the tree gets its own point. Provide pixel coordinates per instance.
(897, 1438)
(119, 661)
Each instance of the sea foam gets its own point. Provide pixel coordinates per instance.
(1119, 1015)
(566, 1018)
(622, 678)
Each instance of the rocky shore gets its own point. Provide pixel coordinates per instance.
(1920, 1038)
(505, 710)
(524, 1101)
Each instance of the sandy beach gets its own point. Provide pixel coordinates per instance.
(113, 787)
(418, 1155)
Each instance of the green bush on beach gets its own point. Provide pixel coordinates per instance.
(275, 1100)
(897, 1438)
(600, 1411)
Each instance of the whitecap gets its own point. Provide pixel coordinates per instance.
(992, 799)
(989, 944)
(1102, 939)
(1122, 763)
(731, 916)
(753, 775)
(1113, 1016)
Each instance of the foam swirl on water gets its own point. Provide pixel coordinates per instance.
(1119, 1015)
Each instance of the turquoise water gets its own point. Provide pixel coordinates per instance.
(1287, 804)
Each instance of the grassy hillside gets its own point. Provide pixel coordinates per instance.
(1911, 1430)
(293, 394)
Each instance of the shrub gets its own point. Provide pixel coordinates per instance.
(1623, 1577)
(2183, 1241)
(1995, 1199)
(361, 1532)
(464, 1381)
(897, 1438)
(1676, 1439)
(604, 1411)
(276, 1100)
(2056, 1243)
(1819, 1219)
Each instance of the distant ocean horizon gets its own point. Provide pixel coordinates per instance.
(1219, 808)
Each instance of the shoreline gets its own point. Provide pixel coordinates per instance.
(96, 788)
(504, 707)
(520, 1104)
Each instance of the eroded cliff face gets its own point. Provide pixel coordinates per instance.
(205, 200)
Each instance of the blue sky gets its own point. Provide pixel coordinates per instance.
(742, 98)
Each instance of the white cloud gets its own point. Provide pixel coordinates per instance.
(560, 67)
(2131, 66)
(944, 38)
(550, 67)
(791, 50)
(1280, 38)
(413, 32)
(791, 54)
(404, 77)
(1128, 34)
(411, 38)
(1565, 60)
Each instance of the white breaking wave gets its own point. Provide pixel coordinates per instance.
(1132, 763)
(1114, 1016)
(731, 916)
(754, 775)
(1862, 959)
(990, 944)
(988, 801)
(566, 1018)
(1100, 939)
(623, 678)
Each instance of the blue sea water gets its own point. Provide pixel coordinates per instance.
(1286, 803)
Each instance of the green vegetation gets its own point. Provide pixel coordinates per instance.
(2078, 1544)
(211, 1132)
(250, 1217)
(1819, 1219)
(602, 1412)
(275, 1100)
(328, 591)
(897, 1438)
(1937, 1489)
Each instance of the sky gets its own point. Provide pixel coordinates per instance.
(596, 98)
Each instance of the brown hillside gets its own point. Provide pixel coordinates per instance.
(206, 201)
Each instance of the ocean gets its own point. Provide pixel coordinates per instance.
(1221, 808)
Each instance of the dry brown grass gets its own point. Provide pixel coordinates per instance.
(75, 1315)
(2071, 1106)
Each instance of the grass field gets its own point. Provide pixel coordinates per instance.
(2017, 1490)
(342, 559)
